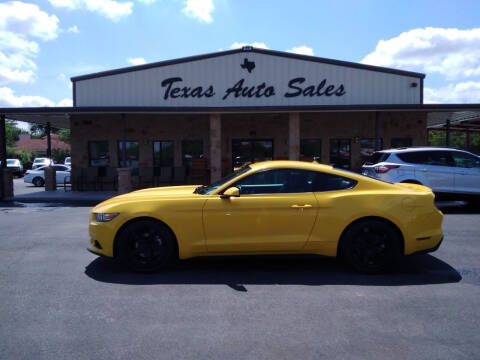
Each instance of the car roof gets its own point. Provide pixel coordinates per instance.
(290, 164)
(419, 148)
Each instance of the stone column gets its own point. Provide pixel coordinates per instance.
(50, 179)
(294, 136)
(124, 180)
(215, 147)
(7, 183)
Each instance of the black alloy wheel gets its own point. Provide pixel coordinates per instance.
(146, 246)
(371, 246)
(38, 181)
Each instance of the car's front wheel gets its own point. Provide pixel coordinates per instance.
(146, 246)
(371, 246)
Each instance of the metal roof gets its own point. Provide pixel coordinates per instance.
(59, 117)
(249, 49)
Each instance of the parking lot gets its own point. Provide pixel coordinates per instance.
(60, 302)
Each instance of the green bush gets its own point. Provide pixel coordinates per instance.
(59, 155)
(24, 155)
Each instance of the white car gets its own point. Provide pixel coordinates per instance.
(450, 173)
(68, 161)
(39, 162)
(15, 166)
(37, 176)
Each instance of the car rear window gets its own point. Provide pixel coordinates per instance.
(376, 157)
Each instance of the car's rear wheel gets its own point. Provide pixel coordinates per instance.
(146, 246)
(371, 246)
(38, 181)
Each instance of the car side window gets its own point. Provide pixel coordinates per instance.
(439, 158)
(278, 181)
(330, 182)
(465, 160)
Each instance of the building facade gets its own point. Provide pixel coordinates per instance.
(220, 110)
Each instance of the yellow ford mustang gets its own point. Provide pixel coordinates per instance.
(275, 207)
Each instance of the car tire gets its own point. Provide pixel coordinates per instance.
(147, 246)
(38, 181)
(371, 246)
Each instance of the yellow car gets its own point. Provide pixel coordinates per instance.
(274, 207)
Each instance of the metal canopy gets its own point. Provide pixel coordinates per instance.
(461, 120)
(59, 117)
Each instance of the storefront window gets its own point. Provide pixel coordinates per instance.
(250, 151)
(311, 149)
(98, 153)
(340, 153)
(163, 153)
(367, 148)
(191, 149)
(401, 142)
(132, 154)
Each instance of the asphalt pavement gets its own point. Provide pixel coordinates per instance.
(58, 301)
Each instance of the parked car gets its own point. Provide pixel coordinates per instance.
(15, 165)
(266, 208)
(450, 173)
(37, 176)
(68, 161)
(39, 162)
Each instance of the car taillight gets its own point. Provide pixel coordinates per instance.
(382, 169)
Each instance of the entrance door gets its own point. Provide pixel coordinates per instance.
(245, 151)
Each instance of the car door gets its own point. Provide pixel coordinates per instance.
(467, 172)
(275, 211)
(436, 168)
(61, 172)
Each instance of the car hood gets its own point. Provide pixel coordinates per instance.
(171, 192)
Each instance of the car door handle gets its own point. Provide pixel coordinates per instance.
(422, 169)
(301, 206)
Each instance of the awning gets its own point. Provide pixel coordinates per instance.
(59, 117)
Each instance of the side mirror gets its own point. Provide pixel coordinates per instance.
(230, 192)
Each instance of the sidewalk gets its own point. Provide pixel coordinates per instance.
(65, 197)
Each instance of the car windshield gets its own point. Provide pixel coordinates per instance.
(39, 160)
(11, 162)
(207, 190)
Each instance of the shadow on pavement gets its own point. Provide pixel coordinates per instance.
(236, 272)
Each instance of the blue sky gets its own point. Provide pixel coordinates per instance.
(44, 43)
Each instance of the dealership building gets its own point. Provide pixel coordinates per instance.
(198, 118)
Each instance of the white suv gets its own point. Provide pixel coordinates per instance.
(450, 173)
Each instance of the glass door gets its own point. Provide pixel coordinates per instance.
(250, 151)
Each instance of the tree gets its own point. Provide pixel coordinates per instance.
(64, 135)
(11, 132)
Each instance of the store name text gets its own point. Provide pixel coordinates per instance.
(174, 89)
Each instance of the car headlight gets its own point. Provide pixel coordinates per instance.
(105, 217)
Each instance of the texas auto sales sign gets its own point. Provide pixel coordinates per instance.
(177, 88)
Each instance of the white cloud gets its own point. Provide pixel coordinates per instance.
(464, 92)
(27, 19)
(137, 61)
(19, 22)
(199, 9)
(73, 29)
(112, 9)
(147, 1)
(451, 52)
(303, 50)
(65, 102)
(255, 44)
(9, 99)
